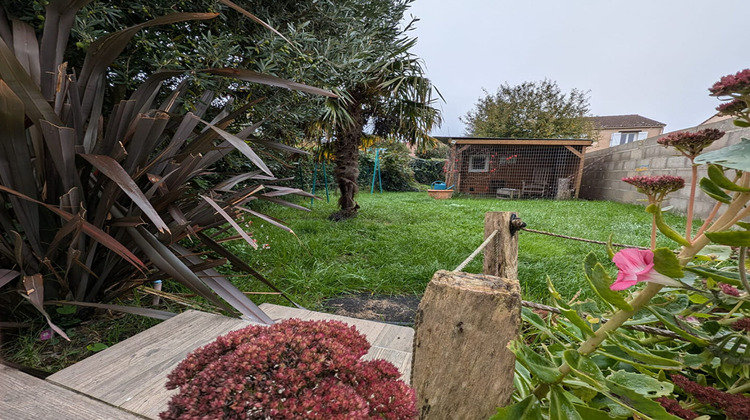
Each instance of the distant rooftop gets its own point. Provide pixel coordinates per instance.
(623, 121)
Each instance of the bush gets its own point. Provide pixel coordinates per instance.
(293, 369)
(440, 151)
(395, 169)
(427, 170)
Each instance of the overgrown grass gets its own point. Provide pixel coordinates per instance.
(399, 240)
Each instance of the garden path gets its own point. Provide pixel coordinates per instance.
(131, 374)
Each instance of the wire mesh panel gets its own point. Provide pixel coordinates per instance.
(515, 170)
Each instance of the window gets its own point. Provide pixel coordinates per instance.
(623, 137)
(479, 163)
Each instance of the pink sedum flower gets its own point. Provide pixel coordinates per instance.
(635, 266)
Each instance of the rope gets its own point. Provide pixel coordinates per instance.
(476, 252)
(642, 328)
(591, 241)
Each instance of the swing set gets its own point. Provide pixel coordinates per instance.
(320, 161)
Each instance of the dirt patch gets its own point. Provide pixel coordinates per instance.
(398, 309)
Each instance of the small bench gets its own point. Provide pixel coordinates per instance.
(507, 193)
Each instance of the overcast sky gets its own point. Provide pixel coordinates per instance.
(656, 58)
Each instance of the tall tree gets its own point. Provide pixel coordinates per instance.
(358, 48)
(382, 91)
(530, 110)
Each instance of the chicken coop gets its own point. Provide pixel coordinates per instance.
(515, 168)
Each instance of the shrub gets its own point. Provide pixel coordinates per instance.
(395, 171)
(96, 200)
(427, 170)
(440, 151)
(293, 369)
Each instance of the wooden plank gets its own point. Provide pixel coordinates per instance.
(574, 151)
(132, 373)
(580, 172)
(529, 142)
(25, 397)
(400, 359)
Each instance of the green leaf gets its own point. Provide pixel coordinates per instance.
(573, 317)
(639, 352)
(715, 253)
(589, 413)
(730, 237)
(526, 409)
(665, 262)
(664, 227)
(96, 347)
(585, 369)
(610, 249)
(736, 156)
(713, 191)
(555, 294)
(647, 408)
(716, 174)
(717, 275)
(743, 225)
(560, 407)
(741, 123)
(66, 310)
(600, 281)
(544, 370)
(671, 323)
(645, 385)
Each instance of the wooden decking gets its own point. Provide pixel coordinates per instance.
(25, 397)
(127, 380)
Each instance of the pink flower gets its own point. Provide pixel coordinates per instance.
(46, 335)
(637, 265)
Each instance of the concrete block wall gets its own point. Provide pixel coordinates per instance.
(604, 169)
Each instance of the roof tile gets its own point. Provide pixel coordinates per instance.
(624, 121)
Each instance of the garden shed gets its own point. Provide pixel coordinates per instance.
(515, 168)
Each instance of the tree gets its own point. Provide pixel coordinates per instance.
(530, 110)
(357, 48)
(383, 88)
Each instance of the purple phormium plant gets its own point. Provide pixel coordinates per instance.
(691, 144)
(291, 370)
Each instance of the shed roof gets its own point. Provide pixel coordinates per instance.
(623, 121)
(514, 141)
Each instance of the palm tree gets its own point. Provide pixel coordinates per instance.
(389, 95)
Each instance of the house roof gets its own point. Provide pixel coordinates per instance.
(623, 121)
(515, 141)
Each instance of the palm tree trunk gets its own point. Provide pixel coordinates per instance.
(347, 165)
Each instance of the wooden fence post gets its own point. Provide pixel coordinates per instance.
(462, 368)
(501, 255)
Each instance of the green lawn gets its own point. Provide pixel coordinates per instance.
(400, 239)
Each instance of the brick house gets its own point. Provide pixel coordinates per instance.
(615, 130)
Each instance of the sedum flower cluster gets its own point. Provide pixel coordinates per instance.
(732, 85)
(691, 144)
(736, 89)
(291, 370)
(656, 187)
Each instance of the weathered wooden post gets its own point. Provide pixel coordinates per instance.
(462, 368)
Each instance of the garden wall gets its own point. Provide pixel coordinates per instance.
(604, 169)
